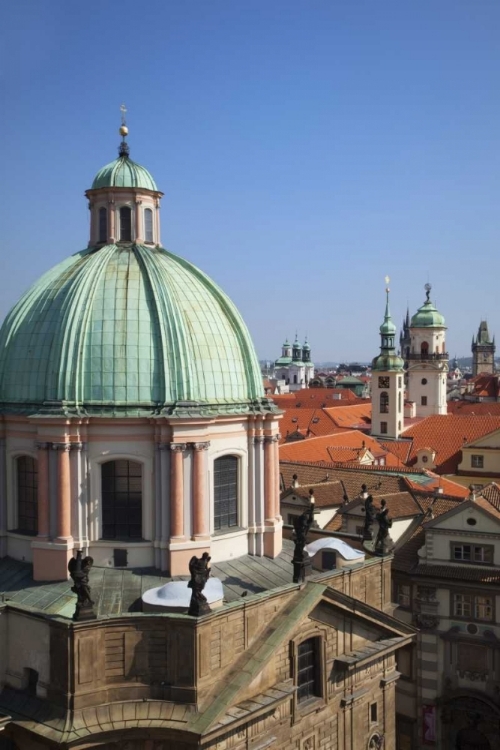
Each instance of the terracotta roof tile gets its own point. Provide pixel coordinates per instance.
(492, 493)
(326, 494)
(435, 482)
(459, 572)
(319, 448)
(475, 408)
(446, 434)
(335, 524)
(400, 448)
(353, 416)
(308, 422)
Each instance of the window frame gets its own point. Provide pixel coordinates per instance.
(402, 599)
(121, 223)
(477, 461)
(235, 511)
(383, 428)
(106, 537)
(102, 227)
(423, 401)
(472, 554)
(311, 703)
(473, 602)
(384, 402)
(148, 231)
(32, 502)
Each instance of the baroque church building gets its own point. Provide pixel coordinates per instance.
(134, 425)
(135, 429)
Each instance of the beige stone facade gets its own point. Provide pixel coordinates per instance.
(233, 679)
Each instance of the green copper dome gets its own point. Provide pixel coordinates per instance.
(124, 173)
(427, 317)
(126, 329)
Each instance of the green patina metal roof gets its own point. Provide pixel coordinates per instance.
(126, 326)
(124, 173)
(427, 316)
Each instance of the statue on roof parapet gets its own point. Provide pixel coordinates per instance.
(383, 542)
(79, 570)
(301, 561)
(200, 573)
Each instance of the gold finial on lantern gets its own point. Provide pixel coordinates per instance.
(123, 128)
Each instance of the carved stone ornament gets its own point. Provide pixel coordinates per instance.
(427, 594)
(377, 742)
(426, 621)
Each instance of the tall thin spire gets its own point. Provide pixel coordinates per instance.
(124, 150)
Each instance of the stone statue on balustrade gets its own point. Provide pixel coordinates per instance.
(79, 570)
(200, 573)
(301, 561)
(369, 518)
(383, 542)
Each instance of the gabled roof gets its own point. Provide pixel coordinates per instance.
(446, 434)
(309, 422)
(353, 416)
(429, 483)
(480, 503)
(400, 504)
(326, 494)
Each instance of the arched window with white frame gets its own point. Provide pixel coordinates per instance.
(121, 482)
(27, 495)
(148, 225)
(225, 492)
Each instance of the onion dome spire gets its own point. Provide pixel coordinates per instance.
(123, 150)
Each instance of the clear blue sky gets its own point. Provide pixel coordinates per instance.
(305, 148)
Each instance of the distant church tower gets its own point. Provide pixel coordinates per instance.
(483, 351)
(387, 382)
(428, 360)
(405, 339)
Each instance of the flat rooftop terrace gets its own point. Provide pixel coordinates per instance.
(116, 591)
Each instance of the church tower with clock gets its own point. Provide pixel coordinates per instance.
(387, 382)
(483, 351)
(428, 360)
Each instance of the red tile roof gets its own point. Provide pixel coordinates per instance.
(308, 422)
(326, 494)
(449, 488)
(354, 416)
(320, 448)
(478, 408)
(484, 386)
(400, 448)
(446, 434)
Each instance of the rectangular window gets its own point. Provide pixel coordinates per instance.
(308, 673)
(373, 713)
(475, 553)
(483, 608)
(402, 595)
(462, 605)
(473, 607)
(477, 462)
(148, 225)
(383, 428)
(225, 492)
(27, 495)
(423, 401)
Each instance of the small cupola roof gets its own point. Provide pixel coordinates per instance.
(428, 316)
(123, 172)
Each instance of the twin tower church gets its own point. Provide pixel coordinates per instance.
(134, 422)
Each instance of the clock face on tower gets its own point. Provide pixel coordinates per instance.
(485, 357)
(383, 382)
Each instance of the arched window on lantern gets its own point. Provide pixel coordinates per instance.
(125, 224)
(103, 224)
(148, 225)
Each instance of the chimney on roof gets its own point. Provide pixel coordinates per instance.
(295, 481)
(472, 491)
(364, 491)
